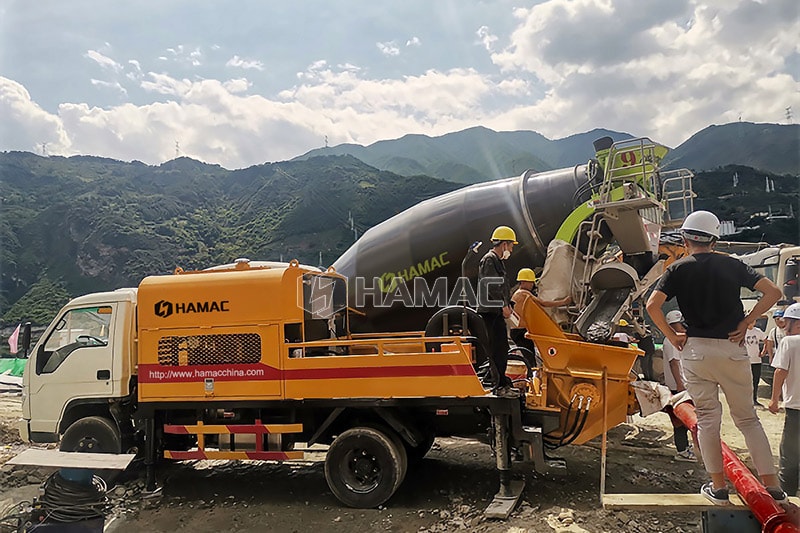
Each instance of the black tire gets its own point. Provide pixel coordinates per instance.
(94, 434)
(364, 467)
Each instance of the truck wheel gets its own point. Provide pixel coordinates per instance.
(364, 467)
(94, 434)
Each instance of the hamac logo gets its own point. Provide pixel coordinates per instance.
(163, 308)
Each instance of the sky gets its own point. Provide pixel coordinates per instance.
(253, 81)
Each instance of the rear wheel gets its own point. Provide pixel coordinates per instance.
(364, 467)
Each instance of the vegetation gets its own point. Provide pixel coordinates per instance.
(82, 224)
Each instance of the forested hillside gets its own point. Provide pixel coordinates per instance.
(81, 224)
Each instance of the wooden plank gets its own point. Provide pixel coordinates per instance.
(670, 502)
(59, 459)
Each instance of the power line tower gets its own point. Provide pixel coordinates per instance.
(177, 150)
(789, 114)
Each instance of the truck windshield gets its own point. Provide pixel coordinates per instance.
(769, 271)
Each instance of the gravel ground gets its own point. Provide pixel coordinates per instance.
(448, 491)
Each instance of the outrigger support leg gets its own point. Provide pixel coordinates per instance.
(510, 491)
(150, 454)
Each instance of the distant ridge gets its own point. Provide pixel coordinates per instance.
(479, 154)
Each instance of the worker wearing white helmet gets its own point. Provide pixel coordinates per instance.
(707, 286)
(787, 381)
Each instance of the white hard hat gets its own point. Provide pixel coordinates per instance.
(701, 226)
(674, 316)
(793, 311)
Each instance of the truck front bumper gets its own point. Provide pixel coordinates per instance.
(24, 430)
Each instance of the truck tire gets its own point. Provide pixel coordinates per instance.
(364, 467)
(93, 434)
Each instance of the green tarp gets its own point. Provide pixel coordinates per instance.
(15, 365)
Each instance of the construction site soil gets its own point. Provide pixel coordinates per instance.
(447, 491)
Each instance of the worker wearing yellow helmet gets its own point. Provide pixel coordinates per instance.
(523, 297)
(494, 306)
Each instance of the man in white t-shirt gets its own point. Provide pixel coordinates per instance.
(787, 381)
(752, 337)
(673, 380)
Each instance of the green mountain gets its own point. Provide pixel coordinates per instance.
(472, 155)
(84, 224)
(770, 147)
(477, 154)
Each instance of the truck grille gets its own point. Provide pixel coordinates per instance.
(234, 348)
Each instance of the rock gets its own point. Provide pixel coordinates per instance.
(622, 517)
(119, 491)
(464, 509)
(337, 519)
(444, 514)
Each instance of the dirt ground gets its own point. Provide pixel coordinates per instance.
(448, 491)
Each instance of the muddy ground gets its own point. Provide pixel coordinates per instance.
(448, 491)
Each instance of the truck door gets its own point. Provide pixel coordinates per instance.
(74, 361)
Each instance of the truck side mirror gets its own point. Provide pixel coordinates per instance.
(26, 339)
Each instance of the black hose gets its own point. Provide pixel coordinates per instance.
(580, 428)
(66, 501)
(571, 431)
(566, 420)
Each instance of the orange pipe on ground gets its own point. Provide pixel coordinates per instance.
(772, 516)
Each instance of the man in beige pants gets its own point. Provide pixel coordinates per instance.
(707, 286)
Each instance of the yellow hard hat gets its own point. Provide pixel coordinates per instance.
(623, 322)
(526, 274)
(504, 233)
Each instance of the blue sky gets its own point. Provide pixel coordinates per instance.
(242, 83)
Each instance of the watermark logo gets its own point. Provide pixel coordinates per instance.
(420, 293)
(322, 296)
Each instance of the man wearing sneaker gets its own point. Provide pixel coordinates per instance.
(787, 380)
(492, 275)
(673, 380)
(707, 287)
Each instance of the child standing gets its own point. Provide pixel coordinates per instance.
(787, 380)
(673, 379)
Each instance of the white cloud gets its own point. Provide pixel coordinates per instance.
(103, 61)
(182, 54)
(487, 39)
(237, 61)
(25, 125)
(414, 41)
(110, 85)
(662, 68)
(388, 48)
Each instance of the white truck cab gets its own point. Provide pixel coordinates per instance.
(82, 366)
(779, 263)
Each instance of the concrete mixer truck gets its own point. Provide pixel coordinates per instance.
(246, 361)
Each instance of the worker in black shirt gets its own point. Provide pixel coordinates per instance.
(707, 286)
(494, 306)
